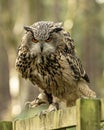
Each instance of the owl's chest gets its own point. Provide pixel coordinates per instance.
(46, 71)
(51, 74)
(49, 67)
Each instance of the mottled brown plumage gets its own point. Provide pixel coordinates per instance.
(46, 56)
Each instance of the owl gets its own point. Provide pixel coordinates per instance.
(47, 57)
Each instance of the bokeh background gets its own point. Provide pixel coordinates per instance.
(84, 19)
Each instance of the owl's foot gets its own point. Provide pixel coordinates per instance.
(34, 103)
(52, 107)
(41, 99)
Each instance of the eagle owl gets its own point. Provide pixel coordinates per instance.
(47, 57)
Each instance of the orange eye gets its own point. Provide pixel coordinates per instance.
(49, 39)
(34, 40)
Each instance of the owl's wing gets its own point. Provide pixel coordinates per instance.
(76, 68)
(23, 61)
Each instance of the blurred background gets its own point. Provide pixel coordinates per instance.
(84, 19)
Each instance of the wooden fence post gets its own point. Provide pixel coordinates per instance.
(88, 114)
(6, 125)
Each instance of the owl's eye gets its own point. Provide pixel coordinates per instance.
(49, 39)
(34, 40)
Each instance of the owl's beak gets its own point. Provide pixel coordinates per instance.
(41, 47)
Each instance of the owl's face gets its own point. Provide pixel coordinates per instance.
(43, 37)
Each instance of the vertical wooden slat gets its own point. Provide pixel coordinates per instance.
(6, 125)
(88, 114)
(102, 109)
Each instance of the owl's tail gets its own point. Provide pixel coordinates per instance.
(85, 91)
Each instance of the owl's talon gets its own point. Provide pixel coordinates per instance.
(42, 113)
(53, 107)
(28, 105)
(34, 103)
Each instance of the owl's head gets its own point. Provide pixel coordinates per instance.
(43, 37)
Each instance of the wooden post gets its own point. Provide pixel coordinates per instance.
(6, 125)
(88, 114)
(61, 119)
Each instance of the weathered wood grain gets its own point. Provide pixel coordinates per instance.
(88, 114)
(54, 120)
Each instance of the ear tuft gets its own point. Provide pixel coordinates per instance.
(57, 29)
(27, 28)
(59, 25)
